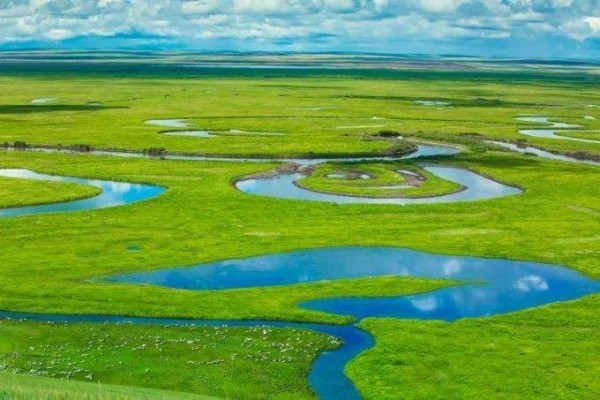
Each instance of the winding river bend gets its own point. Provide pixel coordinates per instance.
(473, 185)
(550, 132)
(540, 152)
(484, 286)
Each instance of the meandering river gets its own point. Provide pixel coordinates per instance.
(483, 286)
(473, 185)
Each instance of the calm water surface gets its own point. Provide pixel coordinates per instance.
(490, 286)
(44, 100)
(475, 187)
(432, 103)
(168, 123)
(202, 134)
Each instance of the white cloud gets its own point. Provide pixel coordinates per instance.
(531, 283)
(594, 24)
(58, 34)
(345, 20)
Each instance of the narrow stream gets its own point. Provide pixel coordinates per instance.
(550, 132)
(540, 152)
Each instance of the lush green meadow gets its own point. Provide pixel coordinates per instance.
(54, 263)
(16, 192)
(548, 352)
(226, 362)
(319, 114)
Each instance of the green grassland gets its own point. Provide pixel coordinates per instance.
(186, 225)
(17, 192)
(322, 115)
(548, 352)
(226, 362)
(54, 263)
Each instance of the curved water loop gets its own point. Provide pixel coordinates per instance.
(474, 187)
(182, 123)
(547, 134)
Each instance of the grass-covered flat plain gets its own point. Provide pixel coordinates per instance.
(543, 353)
(16, 192)
(321, 112)
(54, 263)
(183, 359)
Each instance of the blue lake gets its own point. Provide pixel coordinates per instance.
(488, 286)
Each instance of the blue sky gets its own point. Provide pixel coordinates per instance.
(505, 28)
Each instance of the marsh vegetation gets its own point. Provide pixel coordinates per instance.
(53, 263)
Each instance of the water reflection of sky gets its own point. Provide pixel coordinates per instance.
(203, 134)
(490, 286)
(431, 103)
